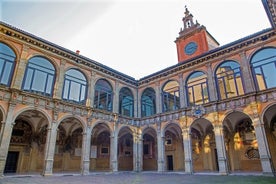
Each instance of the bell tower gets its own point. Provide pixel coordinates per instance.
(193, 39)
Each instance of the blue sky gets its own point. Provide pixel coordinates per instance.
(135, 37)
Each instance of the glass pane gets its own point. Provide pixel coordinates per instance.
(27, 84)
(6, 73)
(39, 81)
(66, 90)
(269, 75)
(49, 84)
(74, 91)
(83, 90)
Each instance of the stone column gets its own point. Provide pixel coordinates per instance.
(6, 137)
(160, 147)
(221, 151)
(262, 142)
(158, 94)
(50, 149)
(60, 81)
(92, 83)
(116, 97)
(248, 81)
(114, 149)
(20, 69)
(187, 150)
(137, 148)
(211, 84)
(85, 156)
(182, 95)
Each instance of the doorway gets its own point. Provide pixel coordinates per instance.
(170, 162)
(11, 162)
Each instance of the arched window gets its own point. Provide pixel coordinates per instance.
(7, 60)
(148, 102)
(263, 65)
(229, 80)
(170, 96)
(197, 89)
(103, 95)
(75, 86)
(39, 76)
(126, 102)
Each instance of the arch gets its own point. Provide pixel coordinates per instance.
(102, 122)
(7, 64)
(269, 119)
(173, 147)
(101, 147)
(125, 149)
(40, 75)
(148, 102)
(126, 102)
(74, 86)
(197, 88)
(64, 117)
(229, 79)
(170, 96)
(3, 113)
(22, 110)
(263, 65)
(150, 149)
(241, 142)
(103, 96)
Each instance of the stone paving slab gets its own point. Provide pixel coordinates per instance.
(136, 178)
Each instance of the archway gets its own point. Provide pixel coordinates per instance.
(174, 151)
(68, 146)
(27, 144)
(150, 149)
(100, 148)
(204, 151)
(269, 120)
(241, 143)
(125, 150)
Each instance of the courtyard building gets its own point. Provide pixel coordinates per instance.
(214, 111)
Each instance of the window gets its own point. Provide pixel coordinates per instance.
(229, 80)
(170, 96)
(126, 102)
(103, 95)
(263, 64)
(39, 76)
(7, 60)
(197, 89)
(148, 102)
(75, 86)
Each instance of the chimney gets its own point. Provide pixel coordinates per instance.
(77, 52)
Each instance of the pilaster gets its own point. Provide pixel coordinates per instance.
(263, 148)
(7, 128)
(221, 151)
(86, 142)
(114, 148)
(50, 149)
(116, 98)
(187, 146)
(161, 150)
(182, 92)
(211, 85)
(158, 98)
(246, 74)
(60, 80)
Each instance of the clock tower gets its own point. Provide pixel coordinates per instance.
(193, 39)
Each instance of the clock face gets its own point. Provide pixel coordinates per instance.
(190, 48)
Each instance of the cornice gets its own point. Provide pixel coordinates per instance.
(62, 52)
(212, 54)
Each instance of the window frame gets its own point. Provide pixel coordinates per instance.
(125, 93)
(201, 84)
(166, 97)
(6, 60)
(107, 96)
(33, 69)
(150, 94)
(68, 92)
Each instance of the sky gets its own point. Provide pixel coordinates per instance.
(135, 37)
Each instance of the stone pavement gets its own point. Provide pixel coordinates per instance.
(137, 178)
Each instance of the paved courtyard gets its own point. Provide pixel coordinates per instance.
(137, 178)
